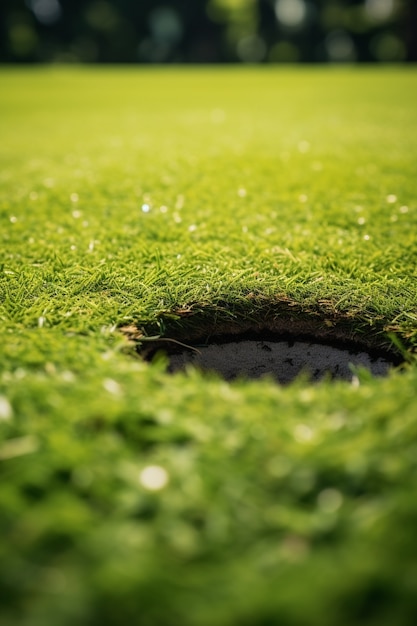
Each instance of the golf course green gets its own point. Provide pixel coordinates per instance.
(138, 204)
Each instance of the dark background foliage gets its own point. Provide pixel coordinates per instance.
(208, 31)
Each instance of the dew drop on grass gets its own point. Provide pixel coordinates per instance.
(145, 208)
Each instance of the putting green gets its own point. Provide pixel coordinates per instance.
(166, 202)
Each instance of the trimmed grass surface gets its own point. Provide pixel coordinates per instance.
(168, 199)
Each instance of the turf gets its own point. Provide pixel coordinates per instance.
(169, 201)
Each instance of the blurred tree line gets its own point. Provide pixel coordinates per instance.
(208, 31)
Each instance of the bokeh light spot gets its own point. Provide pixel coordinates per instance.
(153, 477)
(291, 13)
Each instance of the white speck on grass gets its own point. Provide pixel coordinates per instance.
(106, 330)
(192, 228)
(145, 208)
(306, 396)
(302, 197)
(241, 192)
(391, 198)
(180, 202)
(6, 410)
(19, 446)
(316, 166)
(403, 209)
(68, 376)
(73, 247)
(13, 219)
(41, 321)
(337, 421)
(76, 214)
(217, 116)
(330, 500)
(153, 477)
(303, 146)
(366, 237)
(303, 433)
(111, 386)
(361, 221)
(163, 209)
(164, 416)
(20, 373)
(74, 197)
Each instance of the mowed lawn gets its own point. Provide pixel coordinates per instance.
(170, 200)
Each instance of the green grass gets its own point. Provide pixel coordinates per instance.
(273, 195)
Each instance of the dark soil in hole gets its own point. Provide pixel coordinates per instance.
(283, 356)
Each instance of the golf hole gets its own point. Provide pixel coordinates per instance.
(284, 359)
